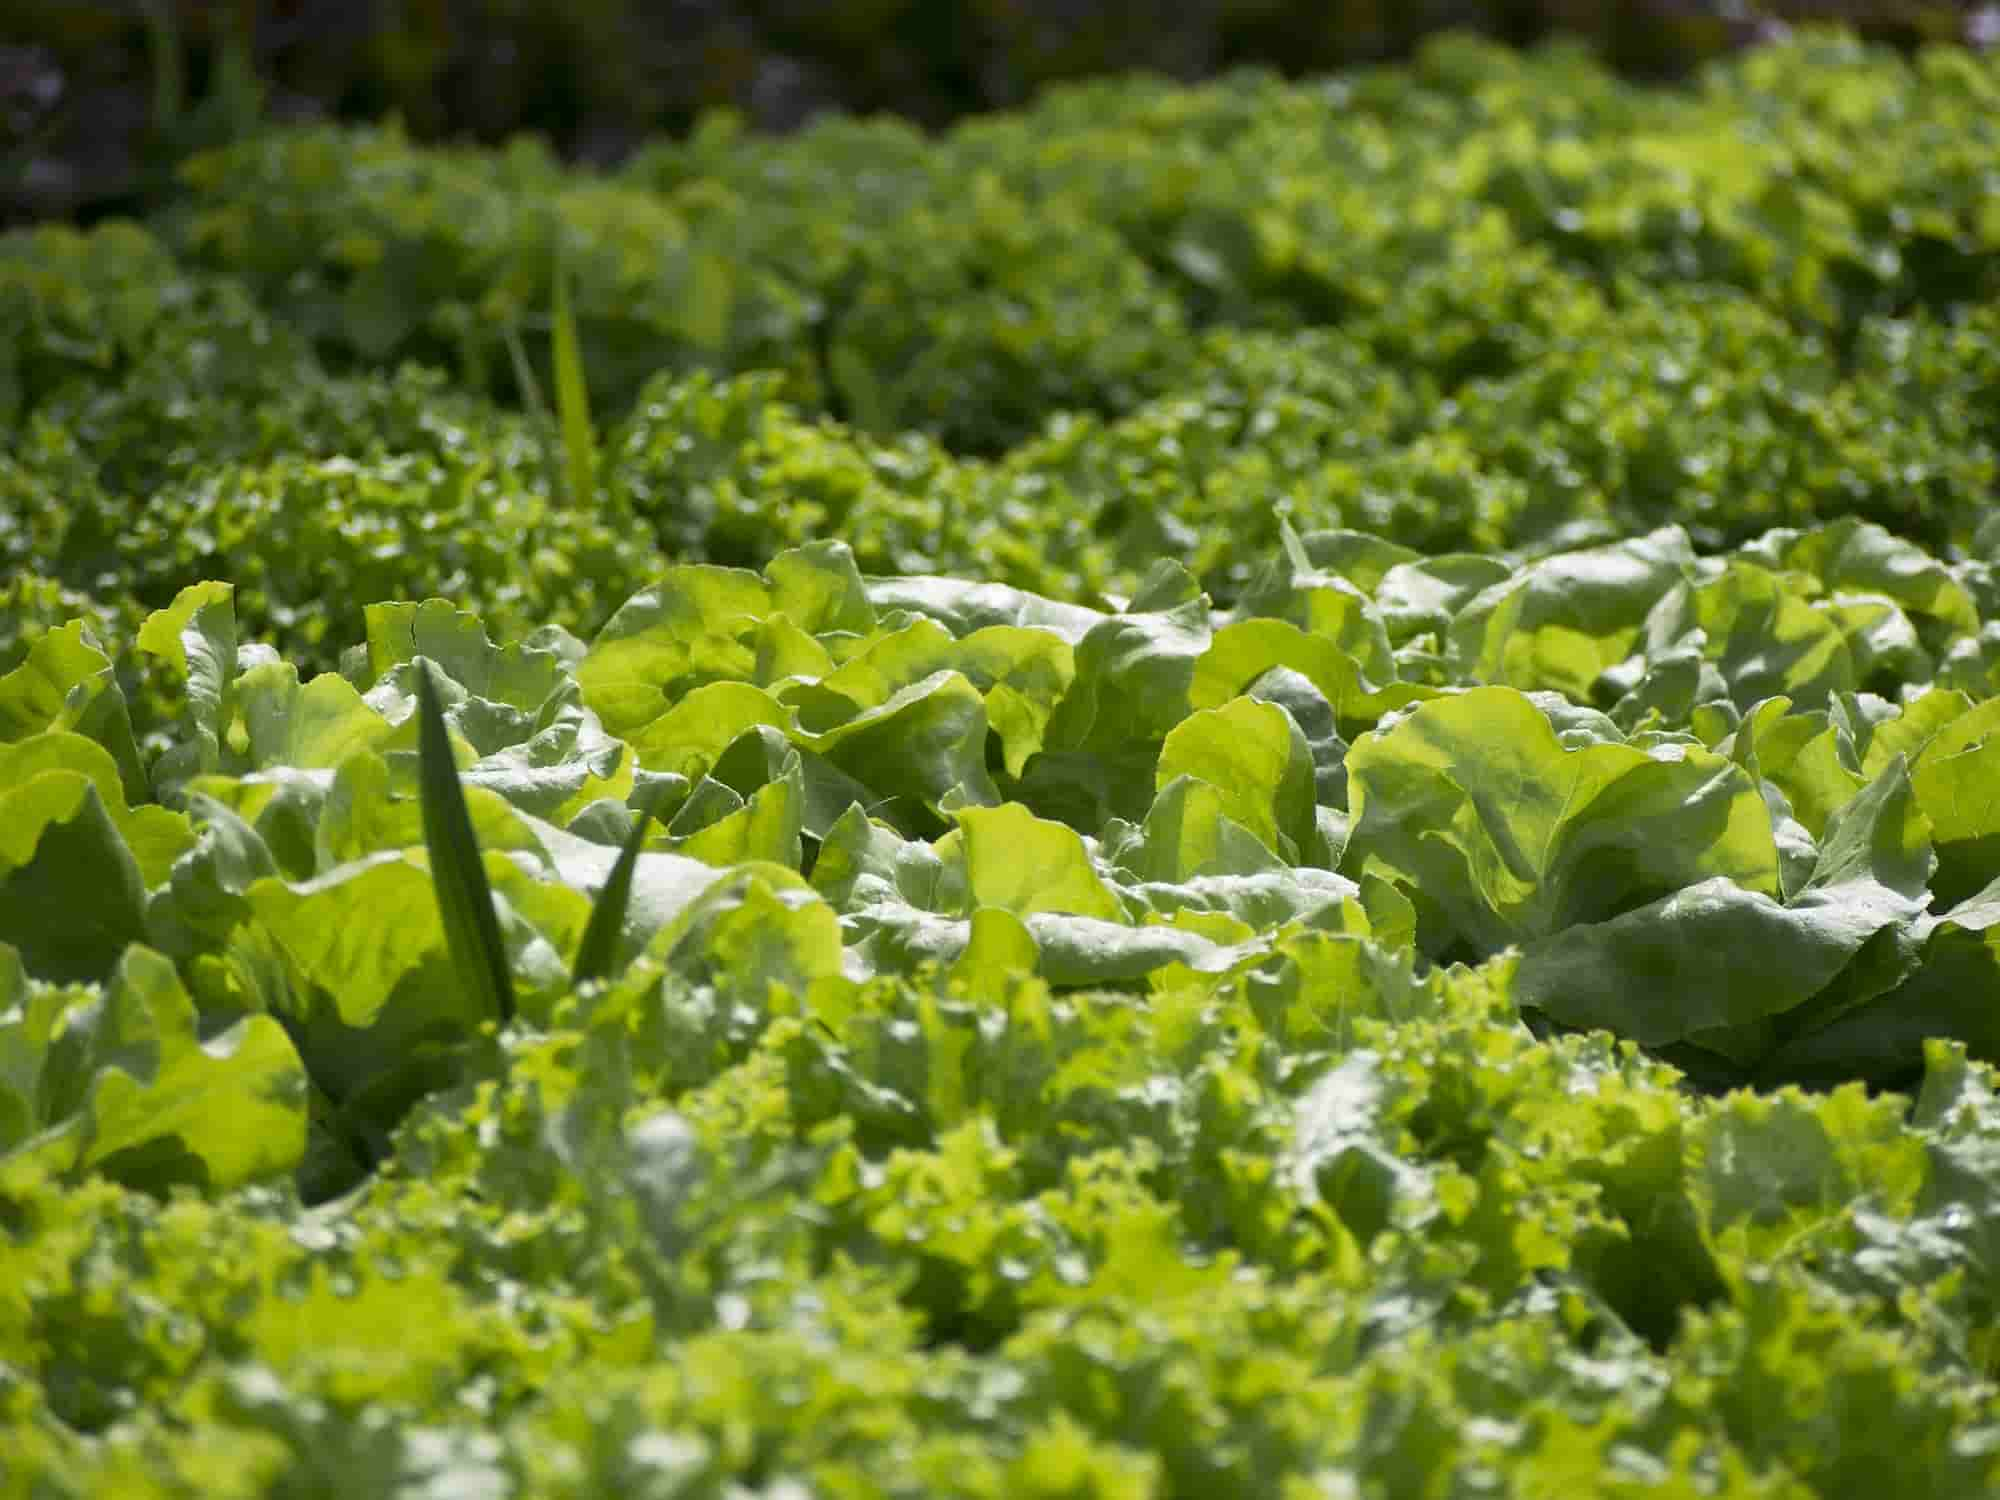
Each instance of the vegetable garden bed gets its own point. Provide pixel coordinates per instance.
(1263, 789)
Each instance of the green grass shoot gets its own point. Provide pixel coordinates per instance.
(595, 954)
(458, 873)
(572, 395)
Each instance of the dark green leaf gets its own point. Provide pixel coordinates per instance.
(465, 900)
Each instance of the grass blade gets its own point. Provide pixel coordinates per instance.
(533, 404)
(458, 874)
(524, 377)
(607, 918)
(867, 402)
(572, 396)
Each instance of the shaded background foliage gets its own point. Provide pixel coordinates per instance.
(99, 99)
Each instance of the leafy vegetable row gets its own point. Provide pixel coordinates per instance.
(1675, 784)
(899, 1130)
(1488, 302)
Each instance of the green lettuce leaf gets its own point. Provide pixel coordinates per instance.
(122, 1082)
(1501, 835)
(746, 809)
(1761, 632)
(1947, 989)
(521, 675)
(1558, 623)
(1850, 555)
(922, 750)
(1257, 757)
(196, 636)
(690, 629)
(1188, 832)
(1133, 677)
(1957, 781)
(76, 863)
(1717, 963)
(964, 606)
(1242, 652)
(66, 683)
(1023, 864)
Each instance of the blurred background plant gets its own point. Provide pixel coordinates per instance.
(100, 99)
